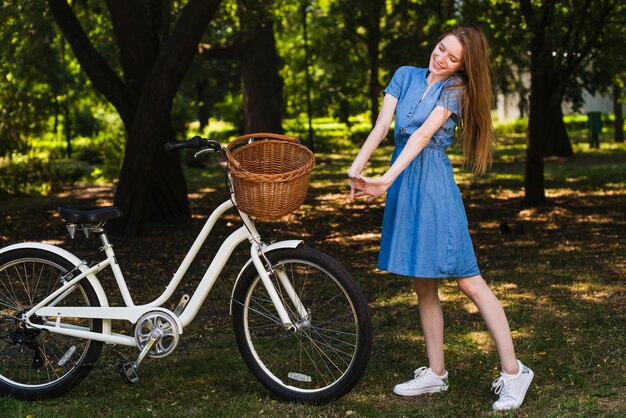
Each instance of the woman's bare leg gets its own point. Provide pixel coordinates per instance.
(431, 318)
(492, 312)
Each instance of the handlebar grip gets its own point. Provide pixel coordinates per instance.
(172, 146)
(194, 143)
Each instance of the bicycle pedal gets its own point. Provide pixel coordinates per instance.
(128, 372)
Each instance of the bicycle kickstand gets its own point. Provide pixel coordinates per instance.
(128, 371)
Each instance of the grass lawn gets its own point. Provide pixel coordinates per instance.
(559, 273)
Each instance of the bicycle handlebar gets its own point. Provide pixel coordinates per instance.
(194, 143)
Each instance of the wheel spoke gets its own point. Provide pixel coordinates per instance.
(325, 344)
(274, 341)
(314, 363)
(269, 315)
(25, 283)
(2, 302)
(317, 331)
(264, 326)
(334, 320)
(272, 319)
(12, 291)
(32, 361)
(38, 279)
(323, 353)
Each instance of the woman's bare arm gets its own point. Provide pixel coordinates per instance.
(376, 136)
(375, 187)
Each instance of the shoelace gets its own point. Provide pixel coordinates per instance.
(500, 387)
(419, 373)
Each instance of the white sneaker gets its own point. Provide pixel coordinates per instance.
(425, 381)
(512, 389)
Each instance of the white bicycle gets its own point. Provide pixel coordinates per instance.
(300, 319)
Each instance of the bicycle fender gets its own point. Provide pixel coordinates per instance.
(93, 280)
(290, 243)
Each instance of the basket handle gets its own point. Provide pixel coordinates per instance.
(247, 137)
(269, 135)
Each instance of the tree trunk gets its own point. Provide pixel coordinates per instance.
(152, 186)
(67, 128)
(552, 30)
(534, 183)
(154, 61)
(617, 111)
(553, 126)
(168, 189)
(55, 128)
(261, 84)
(546, 133)
(204, 110)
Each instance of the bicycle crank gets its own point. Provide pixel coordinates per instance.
(157, 335)
(160, 331)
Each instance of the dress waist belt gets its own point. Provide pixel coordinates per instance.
(437, 147)
(431, 145)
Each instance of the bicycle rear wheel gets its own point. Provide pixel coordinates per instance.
(37, 364)
(329, 352)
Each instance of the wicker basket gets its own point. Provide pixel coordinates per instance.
(270, 175)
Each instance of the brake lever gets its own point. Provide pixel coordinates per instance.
(203, 151)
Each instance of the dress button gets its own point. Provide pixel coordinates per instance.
(401, 130)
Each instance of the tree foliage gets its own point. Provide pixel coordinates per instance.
(564, 37)
(61, 60)
(37, 78)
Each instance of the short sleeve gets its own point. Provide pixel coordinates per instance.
(395, 85)
(452, 98)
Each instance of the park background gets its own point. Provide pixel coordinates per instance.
(90, 91)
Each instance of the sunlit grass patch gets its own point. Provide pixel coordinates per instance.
(401, 299)
(479, 341)
(589, 291)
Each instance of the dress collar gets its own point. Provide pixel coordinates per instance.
(427, 72)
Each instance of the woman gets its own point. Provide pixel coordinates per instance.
(425, 233)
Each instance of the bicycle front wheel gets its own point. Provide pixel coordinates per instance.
(328, 353)
(36, 364)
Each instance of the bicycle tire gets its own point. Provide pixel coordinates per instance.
(40, 364)
(321, 362)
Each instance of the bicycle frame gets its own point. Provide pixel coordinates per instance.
(131, 312)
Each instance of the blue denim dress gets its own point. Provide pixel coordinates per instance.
(425, 232)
